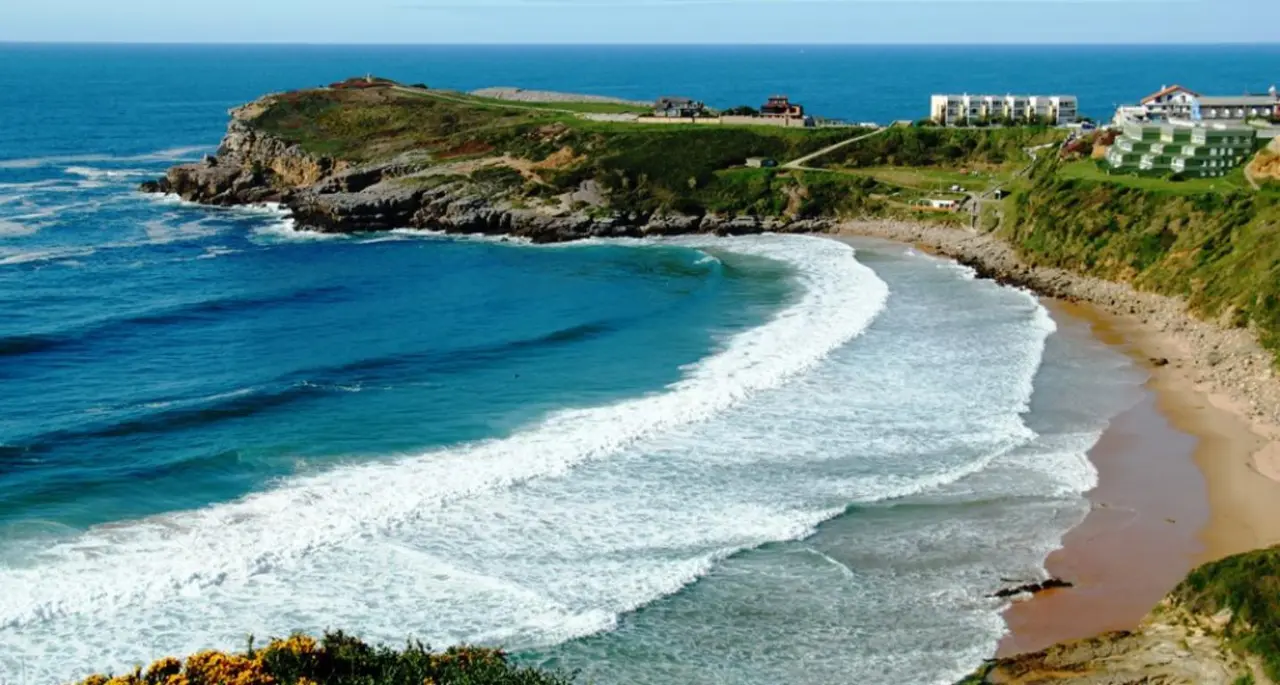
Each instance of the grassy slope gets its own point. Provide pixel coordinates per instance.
(1217, 249)
(1247, 585)
(1090, 171)
(948, 148)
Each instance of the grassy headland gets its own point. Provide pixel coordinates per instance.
(641, 169)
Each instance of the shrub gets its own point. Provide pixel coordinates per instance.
(337, 659)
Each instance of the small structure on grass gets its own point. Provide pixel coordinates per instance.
(673, 107)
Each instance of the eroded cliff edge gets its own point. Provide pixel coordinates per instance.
(1220, 626)
(356, 157)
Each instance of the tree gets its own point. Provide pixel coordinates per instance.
(742, 111)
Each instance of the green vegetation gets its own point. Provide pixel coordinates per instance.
(910, 146)
(648, 169)
(583, 107)
(929, 178)
(1216, 248)
(1093, 171)
(373, 124)
(337, 659)
(1247, 585)
(643, 169)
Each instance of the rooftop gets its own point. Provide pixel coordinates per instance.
(1169, 90)
(1239, 100)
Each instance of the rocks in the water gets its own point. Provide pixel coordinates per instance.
(1159, 362)
(1032, 588)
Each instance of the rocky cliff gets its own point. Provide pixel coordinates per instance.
(467, 189)
(1221, 626)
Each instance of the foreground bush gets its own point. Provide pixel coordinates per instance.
(337, 659)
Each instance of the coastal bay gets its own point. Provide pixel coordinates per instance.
(510, 443)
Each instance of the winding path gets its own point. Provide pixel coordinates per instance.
(800, 162)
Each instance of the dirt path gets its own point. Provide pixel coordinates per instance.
(800, 163)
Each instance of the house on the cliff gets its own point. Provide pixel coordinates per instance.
(671, 107)
(781, 107)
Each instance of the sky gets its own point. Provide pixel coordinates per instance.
(642, 21)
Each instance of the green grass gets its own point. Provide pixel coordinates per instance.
(378, 124)
(648, 168)
(582, 107)
(934, 179)
(1248, 585)
(1091, 171)
(952, 148)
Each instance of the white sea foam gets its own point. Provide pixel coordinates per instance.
(560, 529)
(166, 230)
(157, 231)
(124, 588)
(12, 229)
(167, 155)
(433, 234)
(286, 230)
(9, 258)
(215, 251)
(112, 174)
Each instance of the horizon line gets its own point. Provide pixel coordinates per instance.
(442, 44)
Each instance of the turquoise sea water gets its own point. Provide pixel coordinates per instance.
(756, 460)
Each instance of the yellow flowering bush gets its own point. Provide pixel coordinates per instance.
(297, 645)
(217, 668)
(166, 671)
(337, 659)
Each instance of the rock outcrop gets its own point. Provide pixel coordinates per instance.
(1172, 647)
(336, 196)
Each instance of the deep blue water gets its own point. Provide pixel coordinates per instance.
(138, 99)
(606, 456)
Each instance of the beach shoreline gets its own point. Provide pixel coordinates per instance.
(1189, 475)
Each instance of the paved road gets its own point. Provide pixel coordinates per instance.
(800, 163)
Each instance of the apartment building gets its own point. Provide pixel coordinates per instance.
(969, 109)
(1194, 149)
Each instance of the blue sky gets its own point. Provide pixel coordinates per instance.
(644, 21)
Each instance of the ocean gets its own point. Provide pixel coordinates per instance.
(768, 459)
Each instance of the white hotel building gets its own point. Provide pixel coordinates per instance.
(952, 109)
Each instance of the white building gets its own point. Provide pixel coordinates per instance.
(970, 109)
(1176, 102)
(1170, 102)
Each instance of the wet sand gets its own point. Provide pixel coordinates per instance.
(1178, 486)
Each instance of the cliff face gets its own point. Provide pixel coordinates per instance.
(250, 167)
(1220, 626)
(414, 189)
(1173, 647)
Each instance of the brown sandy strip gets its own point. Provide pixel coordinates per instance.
(1204, 434)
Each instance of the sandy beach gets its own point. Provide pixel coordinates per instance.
(1189, 475)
